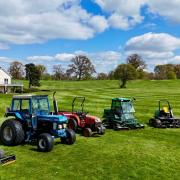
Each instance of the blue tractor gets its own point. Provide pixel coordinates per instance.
(29, 118)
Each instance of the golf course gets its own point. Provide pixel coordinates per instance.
(147, 153)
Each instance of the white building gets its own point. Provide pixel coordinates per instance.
(5, 78)
(5, 82)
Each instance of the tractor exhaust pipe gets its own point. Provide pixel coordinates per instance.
(55, 104)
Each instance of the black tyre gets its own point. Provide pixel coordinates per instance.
(71, 137)
(158, 124)
(12, 133)
(45, 142)
(72, 124)
(102, 130)
(151, 122)
(87, 132)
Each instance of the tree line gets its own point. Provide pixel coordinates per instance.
(81, 68)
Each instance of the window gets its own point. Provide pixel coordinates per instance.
(16, 105)
(5, 81)
(21, 105)
(40, 106)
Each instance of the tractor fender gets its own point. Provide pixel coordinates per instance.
(18, 116)
(15, 114)
(76, 118)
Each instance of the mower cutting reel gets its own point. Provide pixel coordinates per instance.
(163, 117)
(121, 115)
(6, 158)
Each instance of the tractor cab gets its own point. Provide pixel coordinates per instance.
(26, 105)
(121, 115)
(122, 106)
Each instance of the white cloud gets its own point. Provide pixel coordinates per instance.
(64, 56)
(103, 61)
(165, 8)
(154, 42)
(26, 22)
(123, 14)
(154, 48)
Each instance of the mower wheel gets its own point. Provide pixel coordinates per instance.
(72, 124)
(151, 122)
(45, 142)
(158, 124)
(87, 132)
(11, 132)
(71, 137)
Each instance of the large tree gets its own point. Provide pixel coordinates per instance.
(125, 72)
(16, 70)
(58, 73)
(136, 61)
(32, 75)
(166, 71)
(81, 67)
(42, 70)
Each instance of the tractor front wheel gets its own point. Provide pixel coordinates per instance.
(71, 137)
(87, 132)
(45, 142)
(11, 132)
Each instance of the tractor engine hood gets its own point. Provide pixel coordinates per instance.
(53, 118)
(93, 118)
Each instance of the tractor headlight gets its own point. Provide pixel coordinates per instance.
(97, 120)
(60, 126)
(64, 126)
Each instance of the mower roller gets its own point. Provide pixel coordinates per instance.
(81, 121)
(6, 158)
(121, 115)
(163, 117)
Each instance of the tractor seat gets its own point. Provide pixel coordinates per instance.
(164, 112)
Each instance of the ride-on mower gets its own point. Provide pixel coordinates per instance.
(6, 158)
(163, 117)
(121, 115)
(80, 120)
(29, 119)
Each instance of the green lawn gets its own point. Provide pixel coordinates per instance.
(138, 154)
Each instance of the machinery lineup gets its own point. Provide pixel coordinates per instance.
(29, 119)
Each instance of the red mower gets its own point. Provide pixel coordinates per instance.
(80, 120)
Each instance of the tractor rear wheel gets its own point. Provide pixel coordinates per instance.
(45, 142)
(12, 132)
(71, 137)
(72, 124)
(87, 132)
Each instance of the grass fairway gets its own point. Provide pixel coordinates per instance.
(138, 154)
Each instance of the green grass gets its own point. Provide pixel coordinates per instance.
(137, 154)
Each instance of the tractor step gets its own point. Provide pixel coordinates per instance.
(7, 160)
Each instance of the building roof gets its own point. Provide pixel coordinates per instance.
(5, 71)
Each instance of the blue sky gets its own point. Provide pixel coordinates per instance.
(107, 31)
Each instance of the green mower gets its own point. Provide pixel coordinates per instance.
(121, 115)
(163, 117)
